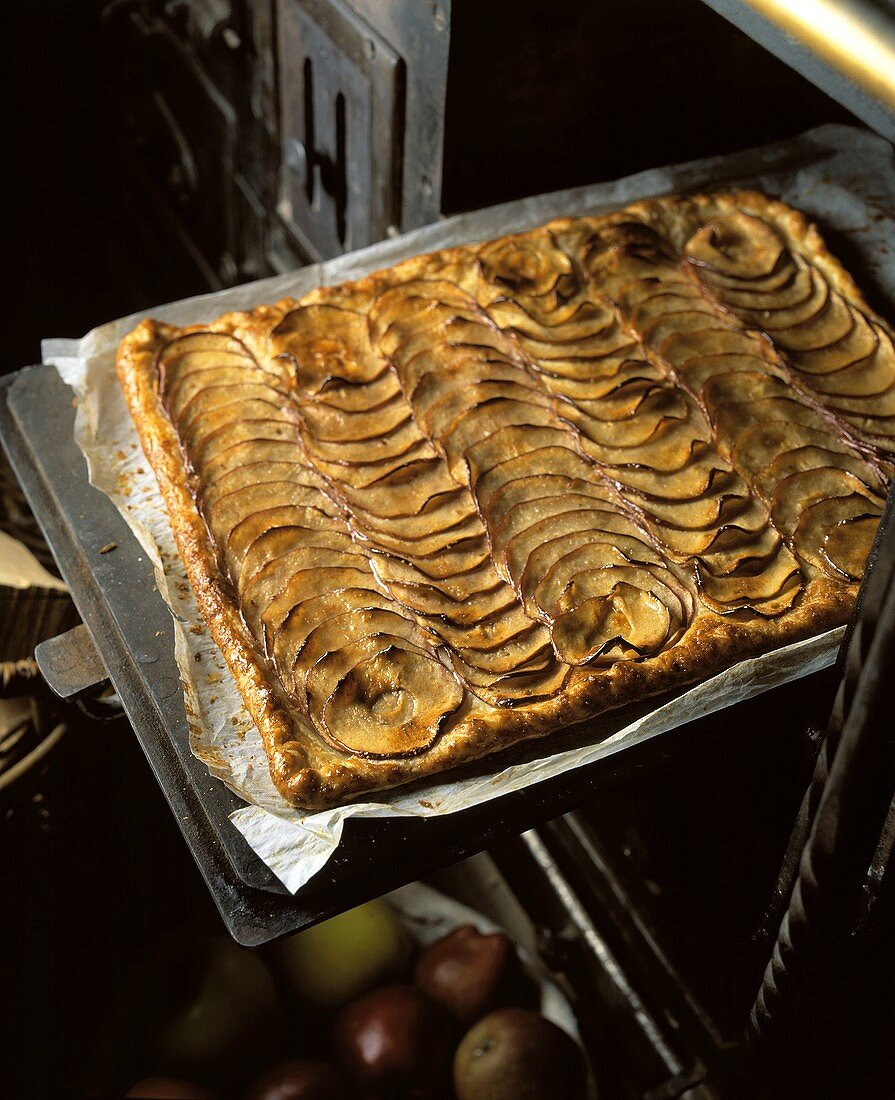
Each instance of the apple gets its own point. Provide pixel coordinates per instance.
(222, 1009)
(472, 973)
(300, 1080)
(341, 958)
(515, 1052)
(395, 1043)
(168, 1088)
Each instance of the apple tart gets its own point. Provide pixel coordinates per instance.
(496, 490)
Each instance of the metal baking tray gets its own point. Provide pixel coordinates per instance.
(131, 629)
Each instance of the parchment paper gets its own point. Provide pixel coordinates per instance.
(842, 176)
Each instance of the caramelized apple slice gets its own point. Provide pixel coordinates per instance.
(738, 245)
(381, 697)
(847, 544)
(253, 473)
(306, 585)
(190, 387)
(257, 523)
(279, 541)
(328, 425)
(327, 343)
(230, 509)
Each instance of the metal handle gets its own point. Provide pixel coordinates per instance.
(71, 665)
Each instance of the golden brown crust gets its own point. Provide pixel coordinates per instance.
(307, 768)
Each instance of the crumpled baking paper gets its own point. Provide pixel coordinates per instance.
(840, 175)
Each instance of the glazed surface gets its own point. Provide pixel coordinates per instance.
(498, 489)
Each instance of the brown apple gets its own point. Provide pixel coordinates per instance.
(515, 1052)
(300, 1080)
(396, 1043)
(471, 973)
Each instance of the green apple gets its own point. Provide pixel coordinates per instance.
(226, 1003)
(344, 957)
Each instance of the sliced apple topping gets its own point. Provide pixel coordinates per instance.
(493, 434)
(284, 542)
(832, 345)
(419, 525)
(391, 702)
(732, 375)
(639, 426)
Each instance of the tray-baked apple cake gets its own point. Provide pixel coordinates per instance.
(495, 490)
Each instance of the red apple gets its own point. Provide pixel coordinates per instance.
(471, 974)
(168, 1088)
(300, 1080)
(395, 1042)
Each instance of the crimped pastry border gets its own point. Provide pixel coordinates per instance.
(306, 770)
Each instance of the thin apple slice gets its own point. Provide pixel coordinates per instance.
(381, 697)
(247, 452)
(241, 431)
(289, 633)
(306, 585)
(467, 583)
(363, 622)
(799, 286)
(803, 459)
(258, 522)
(190, 386)
(429, 601)
(439, 417)
(470, 555)
(214, 398)
(826, 326)
(209, 423)
(445, 512)
(757, 446)
(429, 544)
(802, 488)
(472, 430)
(461, 370)
(258, 590)
(326, 343)
(229, 510)
(348, 396)
(866, 378)
(738, 245)
(588, 392)
(700, 325)
(847, 543)
(681, 348)
(409, 490)
(768, 593)
(858, 345)
(327, 425)
(253, 473)
(538, 462)
(279, 541)
(396, 443)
